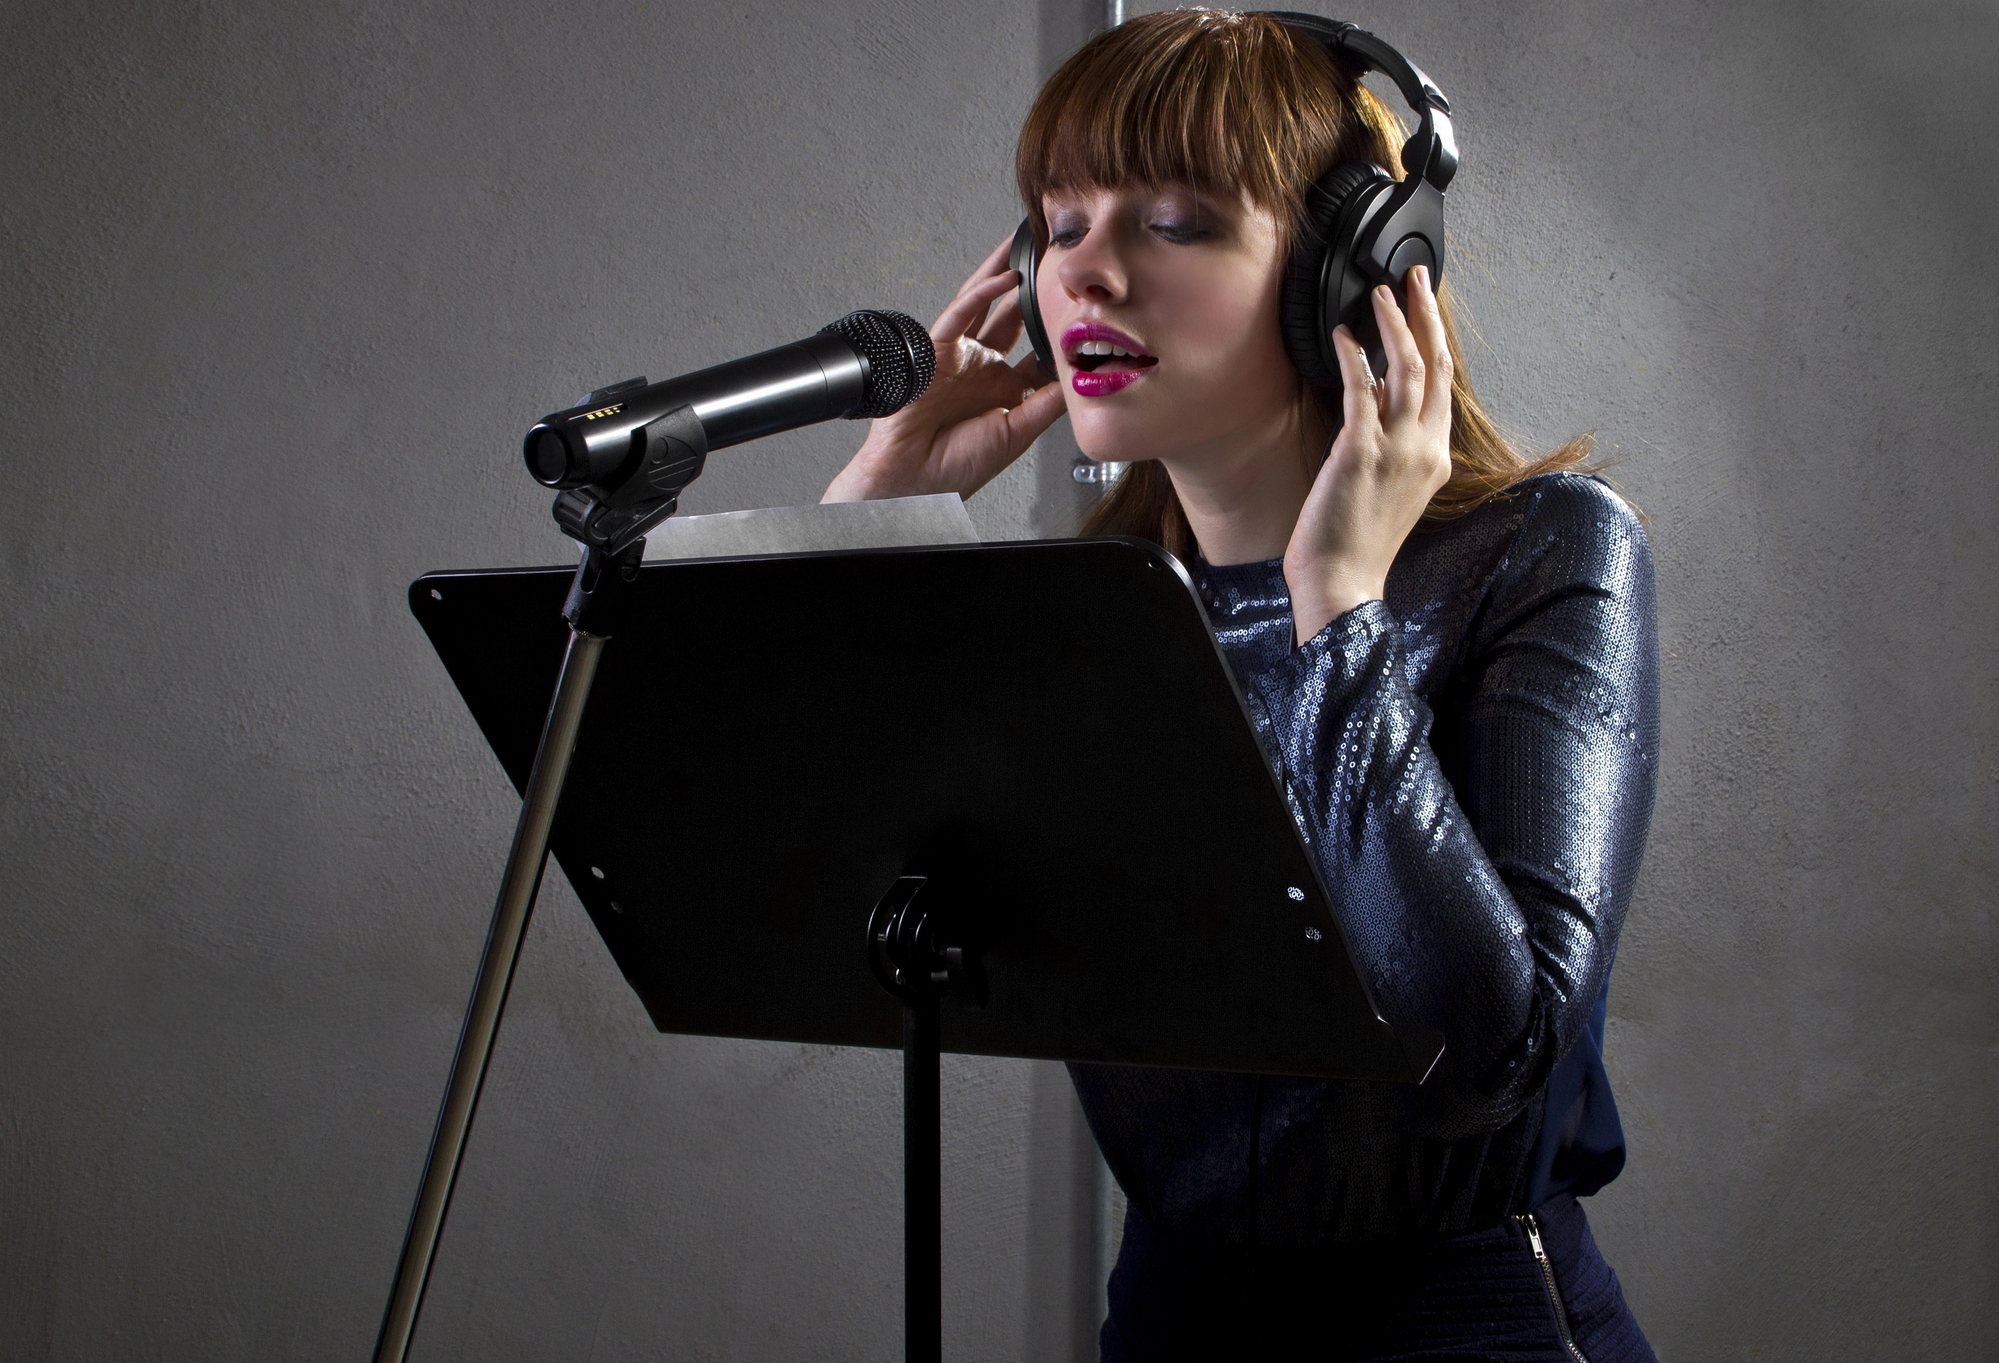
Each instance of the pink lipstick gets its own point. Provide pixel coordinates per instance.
(1105, 360)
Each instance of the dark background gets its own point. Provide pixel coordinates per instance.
(284, 283)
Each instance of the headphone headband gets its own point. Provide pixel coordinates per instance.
(1432, 152)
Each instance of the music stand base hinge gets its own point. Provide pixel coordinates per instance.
(916, 958)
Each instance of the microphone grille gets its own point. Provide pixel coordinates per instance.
(901, 359)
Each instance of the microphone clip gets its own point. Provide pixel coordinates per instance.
(669, 453)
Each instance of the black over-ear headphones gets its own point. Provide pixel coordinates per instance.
(1362, 226)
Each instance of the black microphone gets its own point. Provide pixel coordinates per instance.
(867, 364)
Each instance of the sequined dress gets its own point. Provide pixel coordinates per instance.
(1472, 761)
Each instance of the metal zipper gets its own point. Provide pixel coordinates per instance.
(1532, 1227)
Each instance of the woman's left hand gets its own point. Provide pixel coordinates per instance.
(1392, 454)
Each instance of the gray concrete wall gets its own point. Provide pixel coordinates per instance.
(281, 286)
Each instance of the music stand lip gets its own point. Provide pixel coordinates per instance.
(1066, 590)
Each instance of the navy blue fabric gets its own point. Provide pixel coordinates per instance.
(1581, 1145)
(1479, 1296)
(1471, 761)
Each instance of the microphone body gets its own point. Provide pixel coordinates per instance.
(866, 364)
(794, 385)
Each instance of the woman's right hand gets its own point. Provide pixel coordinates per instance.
(979, 413)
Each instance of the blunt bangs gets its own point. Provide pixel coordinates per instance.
(1226, 104)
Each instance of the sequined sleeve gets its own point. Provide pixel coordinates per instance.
(1480, 859)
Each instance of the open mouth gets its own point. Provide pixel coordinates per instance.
(1094, 348)
(1104, 357)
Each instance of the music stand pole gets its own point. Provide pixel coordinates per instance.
(594, 599)
(922, 1183)
(917, 958)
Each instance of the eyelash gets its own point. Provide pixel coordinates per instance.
(1175, 233)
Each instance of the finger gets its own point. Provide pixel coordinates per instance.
(988, 443)
(968, 309)
(996, 262)
(1036, 413)
(1029, 372)
(1405, 376)
(1359, 400)
(1002, 328)
(1426, 321)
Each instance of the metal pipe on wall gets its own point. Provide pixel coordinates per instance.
(1102, 472)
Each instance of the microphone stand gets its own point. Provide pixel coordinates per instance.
(611, 523)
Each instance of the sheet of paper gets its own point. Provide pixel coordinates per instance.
(895, 523)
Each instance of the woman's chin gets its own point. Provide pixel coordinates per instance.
(1105, 437)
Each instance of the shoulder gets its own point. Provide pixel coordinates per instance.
(1576, 504)
(1564, 554)
(1573, 527)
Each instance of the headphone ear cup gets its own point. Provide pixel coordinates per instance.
(1023, 256)
(1308, 276)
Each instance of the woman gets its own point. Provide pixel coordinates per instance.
(1449, 653)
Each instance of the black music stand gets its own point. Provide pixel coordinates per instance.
(993, 799)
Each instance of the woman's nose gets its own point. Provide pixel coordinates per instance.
(1093, 269)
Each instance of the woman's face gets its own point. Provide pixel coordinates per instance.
(1186, 285)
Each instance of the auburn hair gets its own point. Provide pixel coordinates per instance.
(1235, 104)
